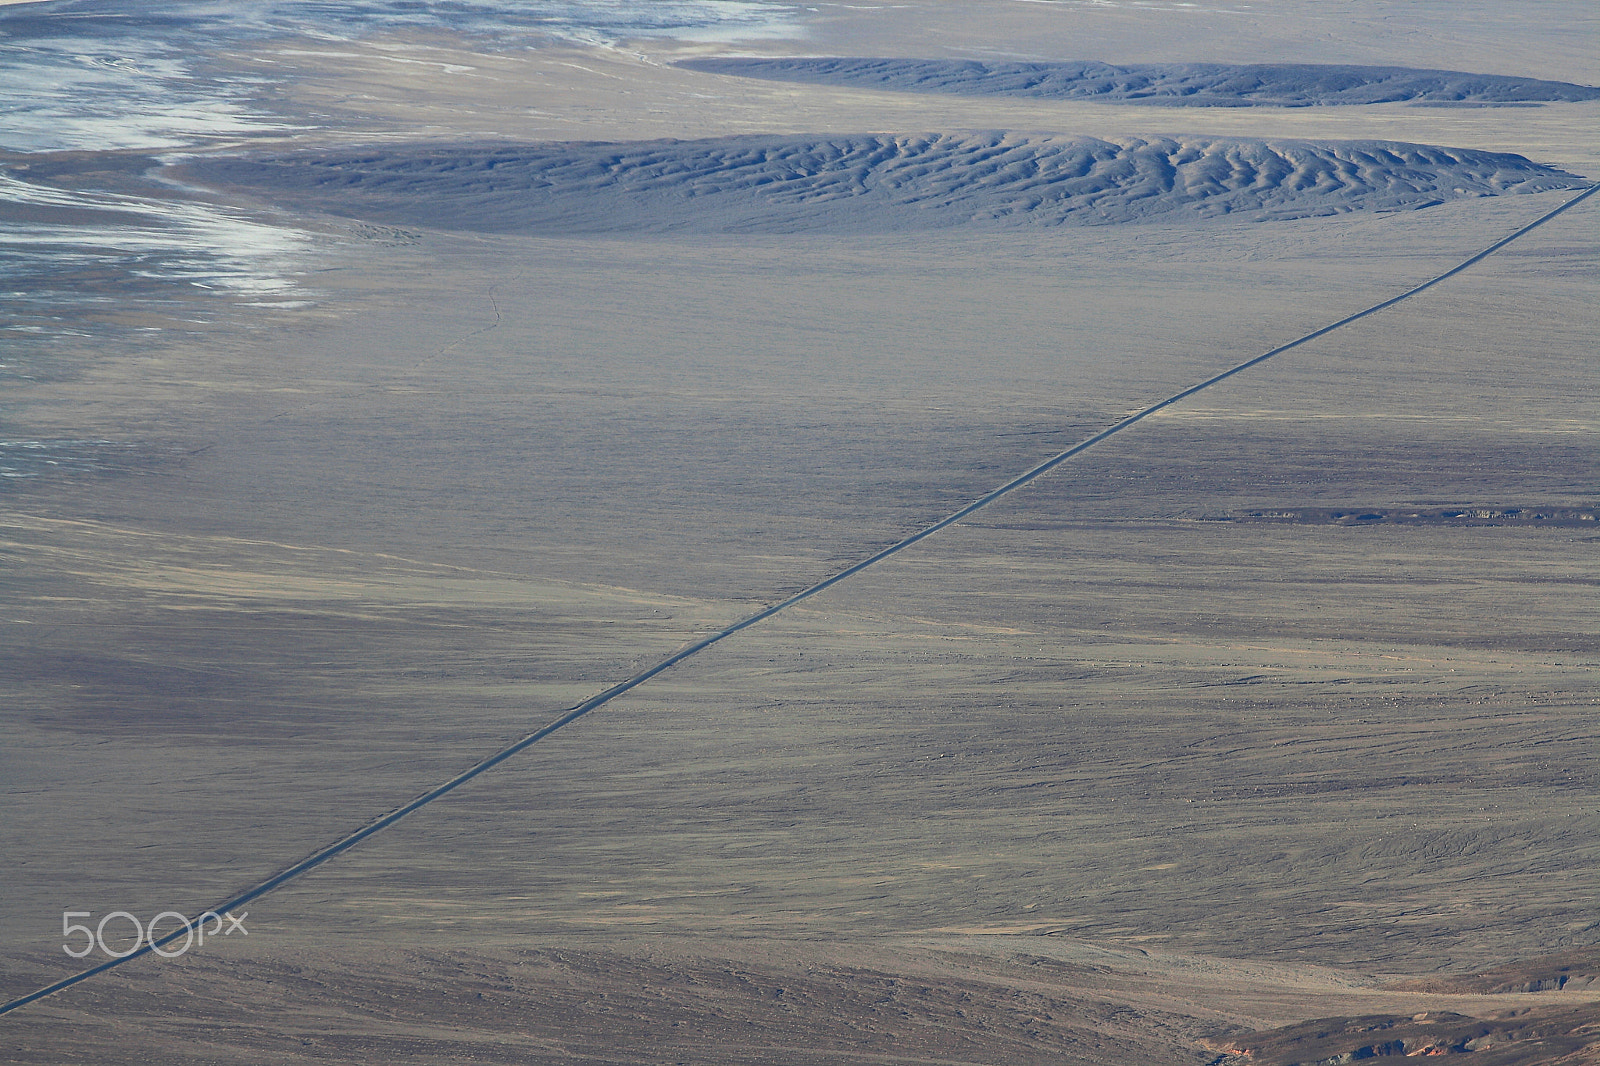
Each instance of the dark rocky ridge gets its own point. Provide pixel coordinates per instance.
(874, 182)
(1557, 1035)
(1163, 84)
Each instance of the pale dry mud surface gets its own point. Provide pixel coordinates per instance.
(1154, 761)
(1119, 709)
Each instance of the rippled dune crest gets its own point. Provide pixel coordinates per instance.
(1164, 84)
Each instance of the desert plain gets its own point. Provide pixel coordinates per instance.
(481, 368)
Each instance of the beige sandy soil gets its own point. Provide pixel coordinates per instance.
(1170, 748)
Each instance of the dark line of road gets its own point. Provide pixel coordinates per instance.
(346, 843)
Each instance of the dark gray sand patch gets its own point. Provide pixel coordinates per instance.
(1162, 84)
(1429, 515)
(873, 182)
(1432, 515)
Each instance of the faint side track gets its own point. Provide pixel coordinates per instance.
(345, 843)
